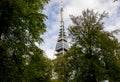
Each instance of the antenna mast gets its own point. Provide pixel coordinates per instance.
(61, 13)
(62, 25)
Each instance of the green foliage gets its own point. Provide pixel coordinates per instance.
(61, 67)
(21, 24)
(38, 69)
(93, 56)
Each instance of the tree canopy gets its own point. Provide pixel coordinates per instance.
(94, 54)
(21, 25)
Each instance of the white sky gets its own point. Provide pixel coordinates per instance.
(75, 7)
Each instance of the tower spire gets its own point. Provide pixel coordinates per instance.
(61, 14)
(61, 45)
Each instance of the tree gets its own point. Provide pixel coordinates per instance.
(94, 52)
(61, 68)
(22, 23)
(38, 69)
(96, 57)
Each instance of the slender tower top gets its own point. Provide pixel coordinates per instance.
(61, 12)
(61, 45)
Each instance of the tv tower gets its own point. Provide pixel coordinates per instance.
(61, 46)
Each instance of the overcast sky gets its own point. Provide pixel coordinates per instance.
(75, 7)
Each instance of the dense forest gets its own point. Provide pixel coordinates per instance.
(94, 54)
